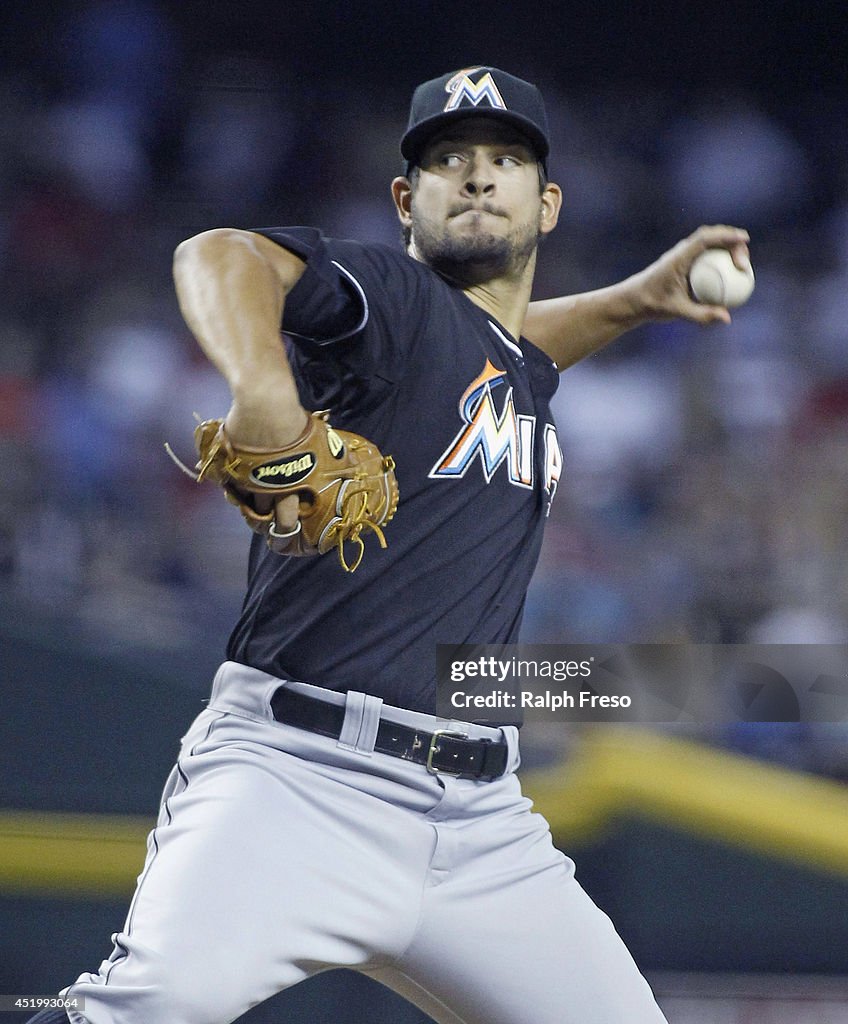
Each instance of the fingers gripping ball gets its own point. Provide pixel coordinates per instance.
(345, 486)
(716, 280)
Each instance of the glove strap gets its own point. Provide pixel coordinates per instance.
(222, 441)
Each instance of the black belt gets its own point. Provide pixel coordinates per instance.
(443, 751)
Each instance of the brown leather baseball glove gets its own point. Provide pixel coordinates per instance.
(344, 484)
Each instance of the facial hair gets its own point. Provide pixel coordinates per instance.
(477, 257)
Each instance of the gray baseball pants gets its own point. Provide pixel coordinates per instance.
(279, 853)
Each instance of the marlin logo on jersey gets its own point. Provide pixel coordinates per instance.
(462, 88)
(498, 438)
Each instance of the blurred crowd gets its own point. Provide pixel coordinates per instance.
(705, 488)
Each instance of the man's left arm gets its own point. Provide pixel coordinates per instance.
(574, 326)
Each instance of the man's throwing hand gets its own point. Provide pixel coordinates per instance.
(662, 291)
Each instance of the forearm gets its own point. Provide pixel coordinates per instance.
(572, 327)
(231, 286)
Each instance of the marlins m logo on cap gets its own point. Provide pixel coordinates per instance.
(461, 87)
(478, 91)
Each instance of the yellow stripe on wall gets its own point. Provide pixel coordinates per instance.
(697, 788)
(72, 854)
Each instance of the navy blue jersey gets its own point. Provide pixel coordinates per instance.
(407, 360)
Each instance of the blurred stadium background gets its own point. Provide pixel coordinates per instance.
(707, 481)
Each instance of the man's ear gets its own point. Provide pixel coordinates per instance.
(402, 196)
(551, 205)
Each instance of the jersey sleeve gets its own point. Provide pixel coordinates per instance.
(367, 300)
(327, 304)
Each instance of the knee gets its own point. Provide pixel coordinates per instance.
(155, 990)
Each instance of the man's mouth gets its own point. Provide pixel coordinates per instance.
(457, 211)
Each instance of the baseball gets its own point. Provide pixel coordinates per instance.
(716, 280)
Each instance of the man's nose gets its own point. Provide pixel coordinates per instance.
(479, 180)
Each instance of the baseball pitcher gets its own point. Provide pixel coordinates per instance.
(396, 459)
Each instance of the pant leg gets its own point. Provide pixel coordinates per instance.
(507, 935)
(264, 868)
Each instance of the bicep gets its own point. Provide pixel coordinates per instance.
(223, 251)
(543, 325)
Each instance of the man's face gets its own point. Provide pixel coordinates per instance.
(476, 209)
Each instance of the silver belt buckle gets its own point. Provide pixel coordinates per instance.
(435, 748)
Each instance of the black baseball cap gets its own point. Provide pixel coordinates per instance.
(475, 92)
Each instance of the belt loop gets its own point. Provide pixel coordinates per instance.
(361, 721)
(513, 760)
(218, 683)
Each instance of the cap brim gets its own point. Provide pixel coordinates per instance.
(413, 142)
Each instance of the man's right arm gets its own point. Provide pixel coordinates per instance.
(232, 286)
(572, 327)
